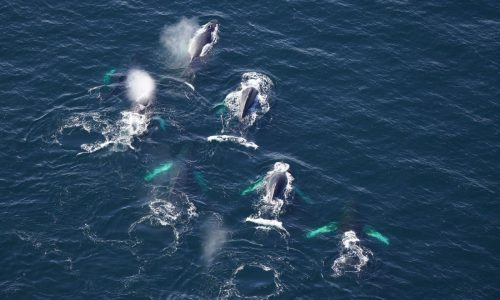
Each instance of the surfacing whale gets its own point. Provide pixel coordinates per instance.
(276, 185)
(203, 40)
(247, 100)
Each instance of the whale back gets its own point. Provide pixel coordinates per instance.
(202, 38)
(276, 185)
(248, 97)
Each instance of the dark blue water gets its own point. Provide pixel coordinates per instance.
(387, 113)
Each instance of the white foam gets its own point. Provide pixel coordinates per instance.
(265, 222)
(119, 135)
(141, 87)
(235, 139)
(175, 213)
(259, 81)
(230, 291)
(189, 85)
(353, 257)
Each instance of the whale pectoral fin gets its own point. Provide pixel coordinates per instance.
(206, 49)
(219, 105)
(106, 79)
(303, 196)
(162, 168)
(161, 122)
(254, 186)
(371, 232)
(220, 108)
(200, 180)
(320, 230)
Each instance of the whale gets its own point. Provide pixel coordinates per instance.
(276, 185)
(247, 100)
(203, 40)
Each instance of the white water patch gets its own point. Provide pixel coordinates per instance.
(175, 213)
(176, 39)
(116, 135)
(268, 209)
(266, 224)
(234, 139)
(259, 81)
(353, 257)
(141, 87)
(231, 289)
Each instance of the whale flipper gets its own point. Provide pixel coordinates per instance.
(371, 232)
(254, 186)
(323, 229)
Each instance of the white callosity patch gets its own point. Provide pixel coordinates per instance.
(141, 87)
(266, 224)
(262, 84)
(268, 208)
(353, 257)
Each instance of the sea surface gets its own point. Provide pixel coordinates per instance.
(385, 116)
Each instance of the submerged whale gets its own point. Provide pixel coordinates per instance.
(276, 185)
(247, 100)
(203, 40)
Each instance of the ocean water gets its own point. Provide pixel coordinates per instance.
(384, 114)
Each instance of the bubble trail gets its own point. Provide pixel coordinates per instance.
(323, 229)
(158, 170)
